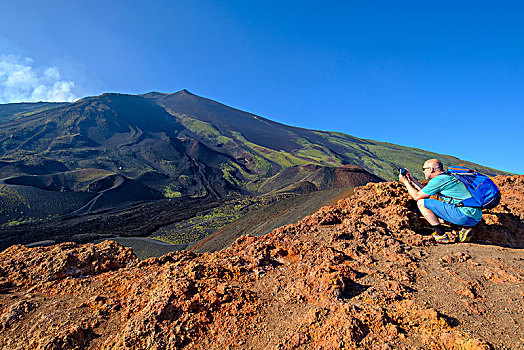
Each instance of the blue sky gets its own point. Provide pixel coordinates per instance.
(444, 76)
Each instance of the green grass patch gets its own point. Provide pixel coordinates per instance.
(282, 158)
(201, 226)
(171, 191)
(320, 155)
(22, 221)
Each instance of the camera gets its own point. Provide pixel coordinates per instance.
(402, 171)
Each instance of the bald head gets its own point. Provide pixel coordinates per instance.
(434, 163)
(432, 168)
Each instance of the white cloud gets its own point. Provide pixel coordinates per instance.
(20, 81)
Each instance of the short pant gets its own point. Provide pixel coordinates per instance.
(449, 212)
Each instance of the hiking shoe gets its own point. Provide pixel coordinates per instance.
(465, 234)
(444, 238)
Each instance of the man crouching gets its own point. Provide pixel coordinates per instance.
(435, 211)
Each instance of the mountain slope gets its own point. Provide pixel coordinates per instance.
(118, 133)
(263, 145)
(13, 111)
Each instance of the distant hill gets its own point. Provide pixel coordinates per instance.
(321, 177)
(32, 197)
(124, 134)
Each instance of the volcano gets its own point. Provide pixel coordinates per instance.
(177, 147)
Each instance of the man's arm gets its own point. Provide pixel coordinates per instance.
(417, 184)
(415, 193)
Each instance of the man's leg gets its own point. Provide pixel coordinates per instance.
(428, 214)
(446, 211)
(433, 219)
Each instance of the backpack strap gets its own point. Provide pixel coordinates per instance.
(449, 199)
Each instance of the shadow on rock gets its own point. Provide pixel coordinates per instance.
(501, 229)
(504, 225)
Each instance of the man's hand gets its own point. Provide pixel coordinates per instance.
(413, 186)
(407, 178)
(403, 179)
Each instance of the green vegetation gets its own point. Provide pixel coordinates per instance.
(319, 155)
(28, 114)
(228, 172)
(171, 191)
(266, 155)
(185, 180)
(21, 221)
(9, 196)
(174, 237)
(198, 127)
(202, 129)
(201, 226)
(384, 159)
(168, 164)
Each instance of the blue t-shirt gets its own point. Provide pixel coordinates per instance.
(448, 186)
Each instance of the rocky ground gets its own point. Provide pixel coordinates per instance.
(363, 273)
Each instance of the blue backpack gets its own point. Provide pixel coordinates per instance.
(485, 194)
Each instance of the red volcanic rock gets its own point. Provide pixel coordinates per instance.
(504, 223)
(21, 266)
(361, 274)
(15, 313)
